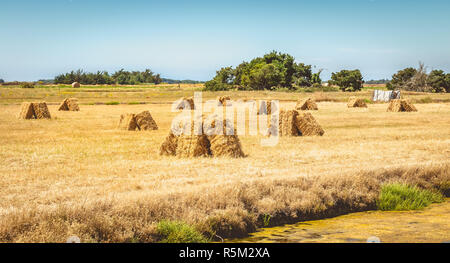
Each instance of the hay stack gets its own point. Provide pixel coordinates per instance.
(127, 122)
(193, 146)
(265, 107)
(27, 111)
(69, 105)
(308, 104)
(41, 110)
(226, 144)
(354, 102)
(307, 125)
(76, 85)
(206, 144)
(169, 146)
(295, 123)
(400, 105)
(144, 121)
(287, 123)
(407, 106)
(34, 110)
(224, 101)
(185, 102)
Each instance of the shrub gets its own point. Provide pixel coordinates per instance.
(27, 85)
(113, 103)
(178, 232)
(404, 197)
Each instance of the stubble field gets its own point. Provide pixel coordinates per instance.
(77, 174)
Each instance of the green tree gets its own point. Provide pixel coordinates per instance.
(348, 80)
(272, 70)
(315, 79)
(400, 78)
(222, 81)
(265, 76)
(438, 81)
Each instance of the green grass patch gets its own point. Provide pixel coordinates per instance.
(178, 232)
(134, 103)
(112, 103)
(404, 197)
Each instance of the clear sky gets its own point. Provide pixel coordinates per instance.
(192, 39)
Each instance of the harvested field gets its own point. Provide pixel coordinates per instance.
(77, 174)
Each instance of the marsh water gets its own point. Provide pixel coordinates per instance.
(431, 224)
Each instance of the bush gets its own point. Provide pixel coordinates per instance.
(178, 232)
(27, 85)
(404, 197)
(113, 103)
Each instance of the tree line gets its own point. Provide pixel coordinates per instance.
(121, 77)
(413, 79)
(277, 70)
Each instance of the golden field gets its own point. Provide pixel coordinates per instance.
(77, 174)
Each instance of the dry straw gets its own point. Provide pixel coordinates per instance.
(296, 123)
(225, 143)
(209, 143)
(34, 110)
(400, 105)
(354, 102)
(144, 121)
(308, 104)
(27, 111)
(307, 125)
(69, 105)
(127, 122)
(76, 85)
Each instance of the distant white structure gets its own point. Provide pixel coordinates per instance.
(382, 95)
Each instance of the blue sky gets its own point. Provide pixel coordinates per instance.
(192, 39)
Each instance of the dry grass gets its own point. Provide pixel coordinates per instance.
(77, 174)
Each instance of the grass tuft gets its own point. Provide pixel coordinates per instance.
(178, 232)
(404, 197)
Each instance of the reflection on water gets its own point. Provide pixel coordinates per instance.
(429, 225)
